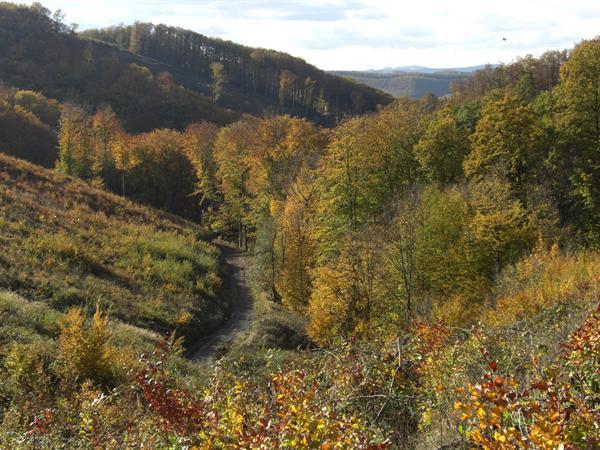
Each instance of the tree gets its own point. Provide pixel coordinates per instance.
(443, 265)
(199, 140)
(28, 123)
(579, 127)
(369, 164)
(163, 175)
(47, 110)
(259, 160)
(402, 245)
(341, 205)
(500, 231)
(84, 349)
(125, 159)
(442, 148)
(299, 254)
(283, 147)
(107, 134)
(466, 237)
(219, 76)
(231, 148)
(76, 155)
(345, 294)
(140, 37)
(287, 81)
(509, 142)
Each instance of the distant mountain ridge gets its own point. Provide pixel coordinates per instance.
(413, 81)
(431, 70)
(408, 84)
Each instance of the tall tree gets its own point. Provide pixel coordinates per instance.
(231, 147)
(125, 159)
(163, 176)
(345, 294)
(199, 139)
(107, 132)
(299, 255)
(579, 126)
(402, 239)
(76, 155)
(442, 148)
(369, 164)
(219, 77)
(509, 142)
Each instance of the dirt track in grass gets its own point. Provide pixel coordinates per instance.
(238, 293)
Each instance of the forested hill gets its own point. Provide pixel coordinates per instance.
(523, 74)
(42, 54)
(171, 77)
(246, 79)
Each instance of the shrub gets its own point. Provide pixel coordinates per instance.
(555, 410)
(544, 280)
(85, 350)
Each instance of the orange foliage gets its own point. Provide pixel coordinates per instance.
(552, 412)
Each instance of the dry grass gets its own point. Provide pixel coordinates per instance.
(64, 243)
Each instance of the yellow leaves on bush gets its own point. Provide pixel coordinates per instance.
(299, 247)
(327, 308)
(456, 310)
(344, 296)
(84, 349)
(303, 422)
(543, 280)
(184, 318)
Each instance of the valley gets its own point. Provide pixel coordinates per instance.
(209, 245)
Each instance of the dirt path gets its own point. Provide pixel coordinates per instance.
(237, 290)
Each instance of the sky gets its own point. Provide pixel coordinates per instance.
(365, 34)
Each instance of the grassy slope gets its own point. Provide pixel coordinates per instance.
(65, 243)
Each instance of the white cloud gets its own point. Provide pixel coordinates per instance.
(337, 34)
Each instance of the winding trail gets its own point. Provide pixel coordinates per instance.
(238, 293)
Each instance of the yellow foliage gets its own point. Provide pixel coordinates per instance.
(85, 349)
(298, 229)
(344, 297)
(184, 318)
(543, 280)
(326, 307)
(458, 309)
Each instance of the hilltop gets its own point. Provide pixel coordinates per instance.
(43, 55)
(158, 76)
(246, 79)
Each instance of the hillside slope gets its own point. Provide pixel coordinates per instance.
(157, 76)
(65, 243)
(40, 54)
(246, 79)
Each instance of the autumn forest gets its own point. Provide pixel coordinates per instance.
(415, 273)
